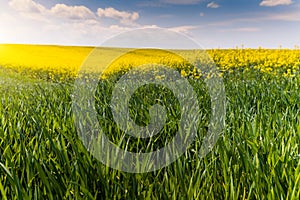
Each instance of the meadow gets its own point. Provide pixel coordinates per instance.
(42, 156)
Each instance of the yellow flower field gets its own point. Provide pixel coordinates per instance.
(284, 62)
(65, 61)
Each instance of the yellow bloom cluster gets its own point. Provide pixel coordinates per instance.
(65, 62)
(38, 60)
(277, 62)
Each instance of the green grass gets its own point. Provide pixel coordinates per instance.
(258, 156)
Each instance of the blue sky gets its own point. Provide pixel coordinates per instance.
(213, 24)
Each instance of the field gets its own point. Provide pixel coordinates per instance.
(42, 156)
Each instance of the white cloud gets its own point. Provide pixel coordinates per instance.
(72, 12)
(27, 6)
(181, 2)
(289, 16)
(212, 5)
(119, 28)
(275, 2)
(33, 10)
(61, 23)
(245, 29)
(30, 8)
(182, 29)
(201, 14)
(126, 18)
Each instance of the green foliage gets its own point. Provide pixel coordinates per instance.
(258, 156)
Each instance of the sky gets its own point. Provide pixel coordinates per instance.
(213, 24)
